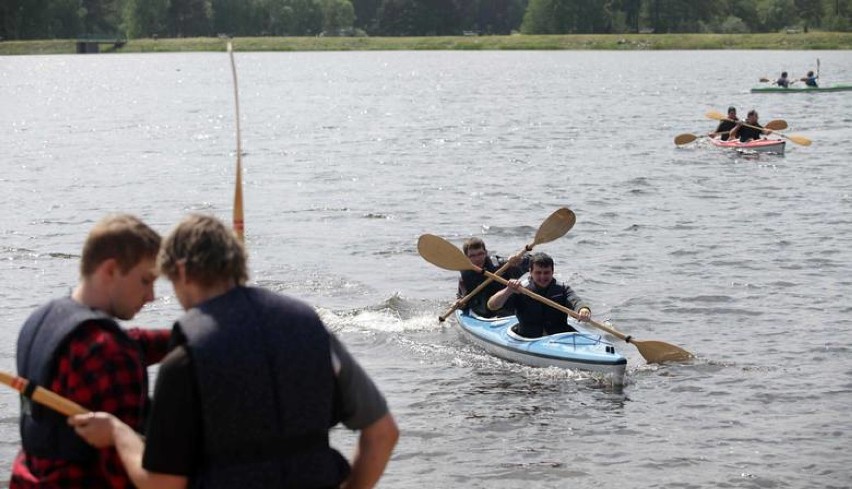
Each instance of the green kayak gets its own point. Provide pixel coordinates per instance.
(800, 89)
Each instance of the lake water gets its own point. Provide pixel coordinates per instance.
(349, 157)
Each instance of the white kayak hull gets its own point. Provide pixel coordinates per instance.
(582, 350)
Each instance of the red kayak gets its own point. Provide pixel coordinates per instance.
(754, 146)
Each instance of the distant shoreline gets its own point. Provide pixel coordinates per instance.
(614, 42)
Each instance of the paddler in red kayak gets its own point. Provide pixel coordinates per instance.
(724, 128)
(746, 133)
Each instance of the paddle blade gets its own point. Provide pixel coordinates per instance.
(776, 125)
(555, 226)
(715, 115)
(799, 139)
(442, 253)
(764, 79)
(660, 352)
(682, 139)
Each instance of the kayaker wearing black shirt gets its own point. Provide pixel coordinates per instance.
(536, 319)
(724, 128)
(783, 81)
(469, 280)
(746, 133)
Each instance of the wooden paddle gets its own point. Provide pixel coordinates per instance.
(686, 138)
(239, 222)
(443, 254)
(43, 396)
(764, 80)
(793, 137)
(555, 226)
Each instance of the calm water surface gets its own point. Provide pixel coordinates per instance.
(349, 157)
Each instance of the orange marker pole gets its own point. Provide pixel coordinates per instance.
(239, 222)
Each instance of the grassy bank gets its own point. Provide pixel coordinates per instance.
(797, 41)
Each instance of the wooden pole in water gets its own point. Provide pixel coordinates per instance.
(239, 222)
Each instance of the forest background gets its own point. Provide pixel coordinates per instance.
(157, 19)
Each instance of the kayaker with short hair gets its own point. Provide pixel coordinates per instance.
(810, 80)
(469, 280)
(723, 130)
(783, 81)
(247, 398)
(75, 347)
(746, 133)
(534, 318)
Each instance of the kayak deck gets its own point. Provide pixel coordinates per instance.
(581, 350)
(802, 89)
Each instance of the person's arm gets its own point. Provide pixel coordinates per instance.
(362, 407)
(375, 445)
(153, 342)
(735, 132)
(173, 428)
(462, 290)
(577, 304)
(103, 430)
(498, 300)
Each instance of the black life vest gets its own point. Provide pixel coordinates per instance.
(263, 366)
(538, 319)
(44, 432)
(471, 279)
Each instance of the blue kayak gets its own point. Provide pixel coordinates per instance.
(581, 350)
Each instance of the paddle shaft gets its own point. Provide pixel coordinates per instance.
(796, 139)
(42, 396)
(239, 222)
(479, 288)
(555, 305)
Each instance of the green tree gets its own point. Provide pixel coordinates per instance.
(337, 15)
(100, 16)
(493, 16)
(567, 16)
(631, 9)
(747, 11)
(366, 12)
(144, 18)
(397, 17)
(777, 14)
(540, 17)
(419, 18)
(810, 12)
(189, 18)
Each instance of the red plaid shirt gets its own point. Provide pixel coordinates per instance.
(99, 372)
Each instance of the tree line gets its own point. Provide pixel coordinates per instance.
(65, 19)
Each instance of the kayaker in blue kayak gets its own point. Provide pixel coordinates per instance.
(724, 128)
(469, 280)
(811, 79)
(745, 133)
(254, 383)
(534, 318)
(783, 81)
